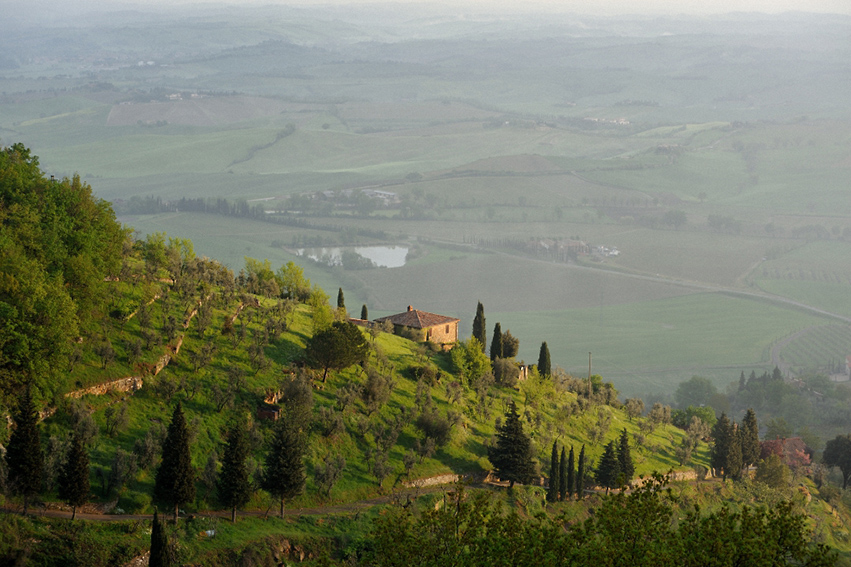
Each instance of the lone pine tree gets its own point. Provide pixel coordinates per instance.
(496, 342)
(479, 329)
(175, 480)
(24, 459)
(544, 368)
(234, 487)
(571, 475)
(74, 478)
(625, 459)
(284, 475)
(555, 475)
(608, 470)
(160, 549)
(749, 434)
(511, 456)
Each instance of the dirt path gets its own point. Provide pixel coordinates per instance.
(785, 367)
(348, 508)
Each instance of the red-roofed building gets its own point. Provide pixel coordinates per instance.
(437, 328)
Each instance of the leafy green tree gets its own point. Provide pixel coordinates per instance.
(696, 391)
(580, 474)
(24, 459)
(511, 456)
(555, 475)
(174, 483)
(510, 345)
(74, 478)
(479, 329)
(625, 459)
(608, 471)
(544, 368)
(234, 486)
(469, 360)
(772, 471)
(749, 436)
(293, 283)
(337, 347)
(837, 453)
(161, 555)
(634, 407)
(496, 343)
(284, 474)
(571, 475)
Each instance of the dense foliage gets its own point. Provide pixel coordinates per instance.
(636, 529)
(57, 245)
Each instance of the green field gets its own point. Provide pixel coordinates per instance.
(600, 136)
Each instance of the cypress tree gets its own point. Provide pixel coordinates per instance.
(555, 476)
(571, 475)
(364, 313)
(544, 368)
(160, 553)
(742, 383)
(608, 470)
(734, 456)
(284, 473)
(24, 459)
(627, 467)
(564, 492)
(722, 433)
(749, 439)
(175, 480)
(480, 332)
(234, 489)
(496, 342)
(511, 456)
(580, 474)
(74, 478)
(341, 301)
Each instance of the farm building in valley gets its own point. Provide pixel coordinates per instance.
(436, 328)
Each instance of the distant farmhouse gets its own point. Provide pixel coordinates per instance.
(438, 329)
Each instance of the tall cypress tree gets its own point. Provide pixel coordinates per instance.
(480, 332)
(160, 549)
(571, 474)
(284, 475)
(564, 493)
(364, 313)
(734, 455)
(175, 480)
(749, 439)
(234, 488)
(544, 368)
(627, 467)
(496, 342)
(609, 469)
(74, 478)
(555, 477)
(512, 455)
(24, 459)
(341, 301)
(580, 474)
(722, 433)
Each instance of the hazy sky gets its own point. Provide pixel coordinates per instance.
(584, 6)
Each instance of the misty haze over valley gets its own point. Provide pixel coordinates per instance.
(669, 193)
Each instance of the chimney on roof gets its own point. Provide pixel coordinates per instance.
(410, 308)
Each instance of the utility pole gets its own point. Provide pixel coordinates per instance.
(589, 375)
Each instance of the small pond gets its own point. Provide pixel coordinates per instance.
(379, 256)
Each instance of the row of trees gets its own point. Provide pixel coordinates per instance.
(283, 474)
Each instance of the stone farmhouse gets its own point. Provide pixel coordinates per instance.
(438, 329)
